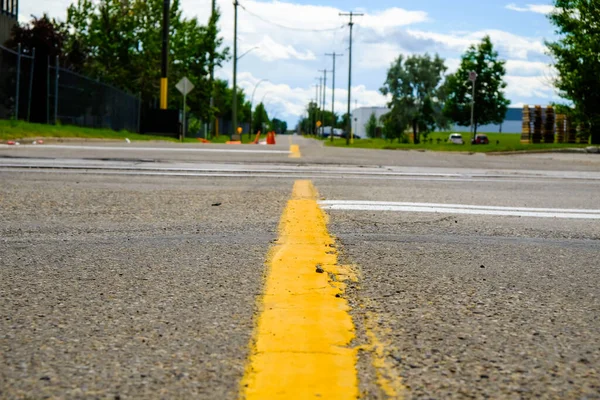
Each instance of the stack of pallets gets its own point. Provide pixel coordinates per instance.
(538, 123)
(526, 131)
(549, 125)
(560, 128)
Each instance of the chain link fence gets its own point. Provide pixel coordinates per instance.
(16, 84)
(69, 98)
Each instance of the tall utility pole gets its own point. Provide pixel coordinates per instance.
(235, 59)
(323, 99)
(212, 72)
(351, 25)
(319, 100)
(314, 119)
(164, 80)
(334, 55)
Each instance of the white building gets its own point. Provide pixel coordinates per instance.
(361, 115)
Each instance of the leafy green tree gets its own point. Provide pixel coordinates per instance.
(371, 126)
(415, 86)
(123, 44)
(342, 123)
(260, 118)
(394, 126)
(279, 126)
(576, 58)
(490, 103)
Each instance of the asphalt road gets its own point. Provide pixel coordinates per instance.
(135, 271)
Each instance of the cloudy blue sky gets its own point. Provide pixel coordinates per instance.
(290, 58)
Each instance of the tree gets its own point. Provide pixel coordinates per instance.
(394, 127)
(415, 86)
(49, 39)
(490, 103)
(279, 126)
(576, 58)
(313, 113)
(260, 118)
(122, 40)
(371, 126)
(343, 122)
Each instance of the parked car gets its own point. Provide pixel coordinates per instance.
(456, 138)
(355, 136)
(480, 139)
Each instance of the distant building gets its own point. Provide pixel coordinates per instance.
(9, 14)
(360, 117)
(512, 124)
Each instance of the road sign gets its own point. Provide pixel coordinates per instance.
(319, 124)
(472, 76)
(185, 86)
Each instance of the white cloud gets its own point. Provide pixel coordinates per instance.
(54, 8)
(508, 44)
(530, 87)
(535, 8)
(270, 50)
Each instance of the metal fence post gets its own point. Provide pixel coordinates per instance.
(139, 121)
(48, 91)
(32, 70)
(18, 82)
(56, 95)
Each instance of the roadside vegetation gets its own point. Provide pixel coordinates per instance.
(19, 130)
(438, 141)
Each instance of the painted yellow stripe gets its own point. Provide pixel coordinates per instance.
(164, 89)
(295, 151)
(301, 343)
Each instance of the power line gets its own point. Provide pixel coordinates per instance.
(289, 27)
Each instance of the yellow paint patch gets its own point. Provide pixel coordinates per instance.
(295, 151)
(301, 344)
(388, 378)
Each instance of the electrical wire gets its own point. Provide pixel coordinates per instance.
(289, 27)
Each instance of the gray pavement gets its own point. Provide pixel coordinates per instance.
(313, 152)
(119, 278)
(113, 287)
(479, 306)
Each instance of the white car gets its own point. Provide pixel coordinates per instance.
(456, 138)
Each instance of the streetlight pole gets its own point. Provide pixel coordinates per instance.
(334, 55)
(473, 79)
(235, 59)
(247, 51)
(252, 103)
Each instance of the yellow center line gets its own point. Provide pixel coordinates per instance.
(301, 342)
(295, 151)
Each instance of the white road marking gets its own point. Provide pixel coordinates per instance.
(459, 209)
(132, 148)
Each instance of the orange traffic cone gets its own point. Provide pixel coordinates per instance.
(271, 138)
(257, 138)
